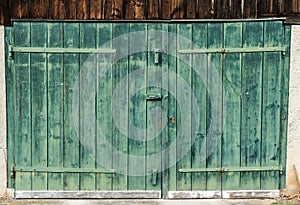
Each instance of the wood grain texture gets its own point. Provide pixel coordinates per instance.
(23, 106)
(39, 105)
(199, 82)
(251, 104)
(71, 137)
(145, 9)
(231, 99)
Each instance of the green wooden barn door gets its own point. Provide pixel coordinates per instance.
(191, 110)
(238, 72)
(88, 105)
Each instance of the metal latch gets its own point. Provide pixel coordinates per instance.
(154, 177)
(154, 96)
(156, 56)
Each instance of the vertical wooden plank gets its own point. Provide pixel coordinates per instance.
(166, 9)
(165, 107)
(250, 9)
(184, 32)
(214, 114)
(251, 105)
(284, 103)
(83, 9)
(232, 103)
(56, 9)
(71, 137)
(55, 106)
(120, 139)
(177, 9)
(154, 125)
(154, 9)
(5, 12)
(39, 83)
(104, 102)
(204, 9)
(20, 9)
(191, 9)
(273, 35)
(39, 9)
(137, 106)
(11, 103)
(199, 82)
(96, 9)
(223, 9)
(71, 9)
(118, 9)
(135, 9)
(129, 9)
(172, 107)
(23, 105)
(236, 9)
(87, 105)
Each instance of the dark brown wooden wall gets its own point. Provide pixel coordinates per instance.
(145, 9)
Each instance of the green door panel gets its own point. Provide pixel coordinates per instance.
(195, 106)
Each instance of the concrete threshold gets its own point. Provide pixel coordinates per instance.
(144, 202)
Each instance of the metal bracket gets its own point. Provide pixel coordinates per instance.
(10, 52)
(156, 56)
(154, 177)
(154, 96)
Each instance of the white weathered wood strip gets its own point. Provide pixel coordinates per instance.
(88, 194)
(250, 194)
(194, 194)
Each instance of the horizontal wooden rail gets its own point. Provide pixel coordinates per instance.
(232, 50)
(62, 170)
(233, 169)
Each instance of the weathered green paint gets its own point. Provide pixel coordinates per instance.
(55, 107)
(184, 98)
(213, 119)
(231, 98)
(137, 106)
(104, 83)
(71, 70)
(198, 152)
(252, 104)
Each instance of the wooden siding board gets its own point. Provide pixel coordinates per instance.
(251, 104)
(172, 107)
(199, 82)
(11, 103)
(55, 106)
(273, 33)
(96, 9)
(184, 96)
(56, 9)
(38, 8)
(214, 120)
(204, 9)
(23, 100)
(103, 103)
(154, 122)
(250, 9)
(165, 107)
(153, 9)
(232, 105)
(284, 104)
(71, 137)
(83, 9)
(120, 140)
(137, 105)
(87, 116)
(39, 83)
